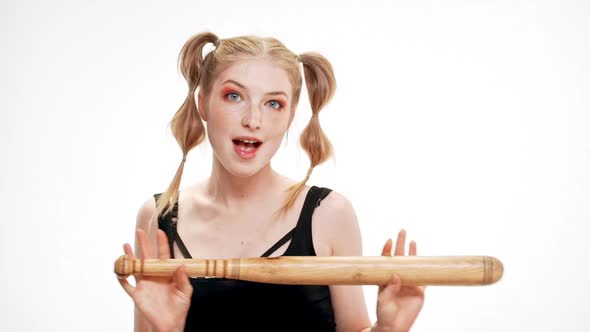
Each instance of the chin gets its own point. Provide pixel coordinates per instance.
(243, 169)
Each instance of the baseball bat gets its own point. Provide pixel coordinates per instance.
(328, 270)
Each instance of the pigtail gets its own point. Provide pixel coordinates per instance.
(321, 85)
(186, 125)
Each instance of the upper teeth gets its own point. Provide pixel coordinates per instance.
(248, 141)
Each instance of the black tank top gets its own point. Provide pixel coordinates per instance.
(220, 304)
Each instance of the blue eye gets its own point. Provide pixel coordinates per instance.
(275, 104)
(233, 96)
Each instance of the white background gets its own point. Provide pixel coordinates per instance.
(464, 122)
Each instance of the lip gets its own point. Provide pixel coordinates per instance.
(242, 151)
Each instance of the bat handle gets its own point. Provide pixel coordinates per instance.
(217, 268)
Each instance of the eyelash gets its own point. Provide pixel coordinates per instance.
(281, 106)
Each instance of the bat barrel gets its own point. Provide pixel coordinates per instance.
(412, 270)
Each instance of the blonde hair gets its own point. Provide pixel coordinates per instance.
(187, 126)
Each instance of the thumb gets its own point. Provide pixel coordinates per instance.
(392, 288)
(181, 281)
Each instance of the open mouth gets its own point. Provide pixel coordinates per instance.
(247, 143)
(246, 147)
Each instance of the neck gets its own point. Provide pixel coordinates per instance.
(229, 189)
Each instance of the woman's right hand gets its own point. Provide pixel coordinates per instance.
(163, 301)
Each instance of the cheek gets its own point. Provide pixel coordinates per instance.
(280, 123)
(221, 118)
(217, 129)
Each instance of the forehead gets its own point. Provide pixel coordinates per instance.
(257, 75)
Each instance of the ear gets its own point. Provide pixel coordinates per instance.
(201, 107)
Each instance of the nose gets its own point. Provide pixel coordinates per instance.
(252, 118)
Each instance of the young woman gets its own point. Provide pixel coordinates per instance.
(248, 90)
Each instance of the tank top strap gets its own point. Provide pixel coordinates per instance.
(279, 243)
(300, 236)
(302, 242)
(167, 223)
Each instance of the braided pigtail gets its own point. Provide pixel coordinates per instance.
(187, 126)
(321, 85)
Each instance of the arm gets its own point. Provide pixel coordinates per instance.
(161, 303)
(144, 214)
(397, 305)
(335, 222)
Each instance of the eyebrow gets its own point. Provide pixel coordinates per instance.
(273, 93)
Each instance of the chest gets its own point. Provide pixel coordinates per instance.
(213, 233)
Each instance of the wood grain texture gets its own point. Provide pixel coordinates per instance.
(329, 270)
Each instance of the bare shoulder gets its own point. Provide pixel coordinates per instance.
(336, 207)
(143, 220)
(336, 221)
(145, 213)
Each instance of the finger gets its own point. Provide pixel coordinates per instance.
(387, 248)
(413, 252)
(182, 282)
(130, 290)
(163, 249)
(401, 243)
(412, 248)
(128, 251)
(145, 248)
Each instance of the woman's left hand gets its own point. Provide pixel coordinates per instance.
(397, 305)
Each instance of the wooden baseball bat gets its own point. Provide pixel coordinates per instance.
(328, 270)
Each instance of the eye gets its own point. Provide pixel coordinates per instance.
(232, 96)
(275, 104)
